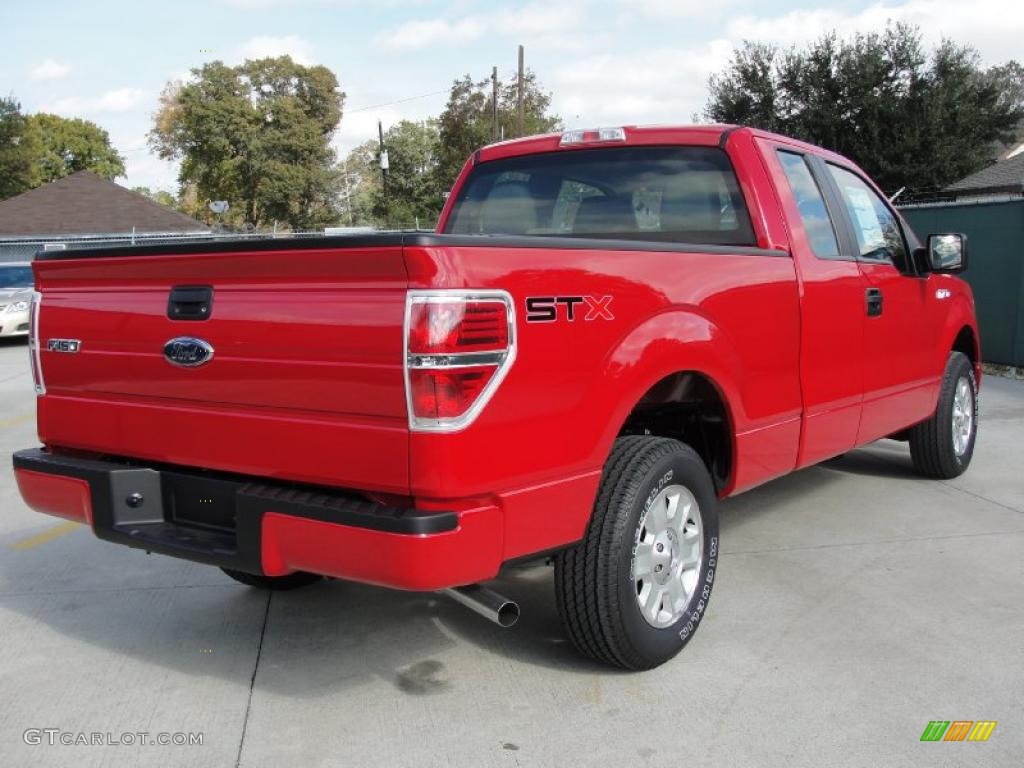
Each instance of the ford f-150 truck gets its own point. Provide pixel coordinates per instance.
(608, 332)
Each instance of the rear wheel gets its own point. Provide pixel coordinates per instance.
(633, 591)
(291, 581)
(942, 446)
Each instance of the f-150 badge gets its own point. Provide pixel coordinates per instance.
(63, 345)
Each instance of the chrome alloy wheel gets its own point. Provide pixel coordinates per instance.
(963, 416)
(667, 556)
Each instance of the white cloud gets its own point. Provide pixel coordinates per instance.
(145, 170)
(50, 69)
(359, 127)
(264, 46)
(659, 85)
(258, 4)
(538, 18)
(541, 23)
(994, 27)
(422, 34)
(672, 9)
(118, 100)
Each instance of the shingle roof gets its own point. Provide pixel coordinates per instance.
(84, 203)
(1004, 176)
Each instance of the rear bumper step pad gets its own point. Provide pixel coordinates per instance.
(209, 517)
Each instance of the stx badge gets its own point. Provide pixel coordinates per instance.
(548, 309)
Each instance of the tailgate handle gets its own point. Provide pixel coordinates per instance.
(190, 302)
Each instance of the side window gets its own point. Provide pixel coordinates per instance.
(879, 237)
(813, 213)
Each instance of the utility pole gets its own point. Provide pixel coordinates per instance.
(383, 171)
(494, 103)
(519, 97)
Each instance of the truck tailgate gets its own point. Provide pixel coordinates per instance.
(305, 382)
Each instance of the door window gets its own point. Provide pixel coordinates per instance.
(878, 232)
(813, 213)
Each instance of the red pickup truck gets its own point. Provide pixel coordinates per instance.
(609, 331)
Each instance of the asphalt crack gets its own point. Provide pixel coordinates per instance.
(983, 498)
(840, 544)
(252, 681)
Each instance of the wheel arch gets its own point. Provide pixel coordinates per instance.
(966, 341)
(670, 364)
(960, 334)
(689, 406)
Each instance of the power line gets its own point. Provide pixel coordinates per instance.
(396, 101)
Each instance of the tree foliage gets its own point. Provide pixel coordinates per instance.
(909, 119)
(69, 145)
(257, 135)
(467, 122)
(16, 150)
(40, 148)
(415, 196)
(161, 196)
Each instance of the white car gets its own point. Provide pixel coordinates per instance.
(16, 285)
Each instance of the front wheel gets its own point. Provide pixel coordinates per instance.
(942, 446)
(634, 590)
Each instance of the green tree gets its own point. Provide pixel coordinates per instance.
(257, 135)
(414, 193)
(1008, 80)
(161, 196)
(69, 145)
(909, 119)
(467, 121)
(17, 149)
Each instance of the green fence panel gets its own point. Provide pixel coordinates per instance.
(995, 241)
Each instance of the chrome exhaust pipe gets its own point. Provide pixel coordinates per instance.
(487, 603)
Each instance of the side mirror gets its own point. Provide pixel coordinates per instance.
(947, 254)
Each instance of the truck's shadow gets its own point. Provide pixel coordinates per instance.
(330, 637)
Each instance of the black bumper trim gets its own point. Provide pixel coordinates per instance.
(237, 547)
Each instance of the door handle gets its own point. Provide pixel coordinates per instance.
(190, 302)
(874, 302)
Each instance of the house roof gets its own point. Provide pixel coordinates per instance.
(1005, 176)
(84, 203)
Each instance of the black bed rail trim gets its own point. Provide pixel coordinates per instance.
(571, 243)
(247, 245)
(392, 240)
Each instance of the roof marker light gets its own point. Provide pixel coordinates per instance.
(592, 135)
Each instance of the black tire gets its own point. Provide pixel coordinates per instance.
(277, 583)
(594, 582)
(931, 442)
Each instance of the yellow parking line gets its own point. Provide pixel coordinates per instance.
(16, 420)
(41, 538)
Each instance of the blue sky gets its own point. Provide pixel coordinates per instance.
(607, 62)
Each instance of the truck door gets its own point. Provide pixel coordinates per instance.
(831, 306)
(899, 337)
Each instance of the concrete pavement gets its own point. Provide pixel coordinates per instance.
(853, 604)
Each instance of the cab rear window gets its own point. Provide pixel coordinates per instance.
(661, 194)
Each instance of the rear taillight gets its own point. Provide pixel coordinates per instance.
(33, 343)
(458, 347)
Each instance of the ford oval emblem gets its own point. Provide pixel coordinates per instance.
(188, 352)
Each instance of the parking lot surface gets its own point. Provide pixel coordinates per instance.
(854, 603)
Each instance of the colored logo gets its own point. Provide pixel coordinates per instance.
(187, 351)
(958, 730)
